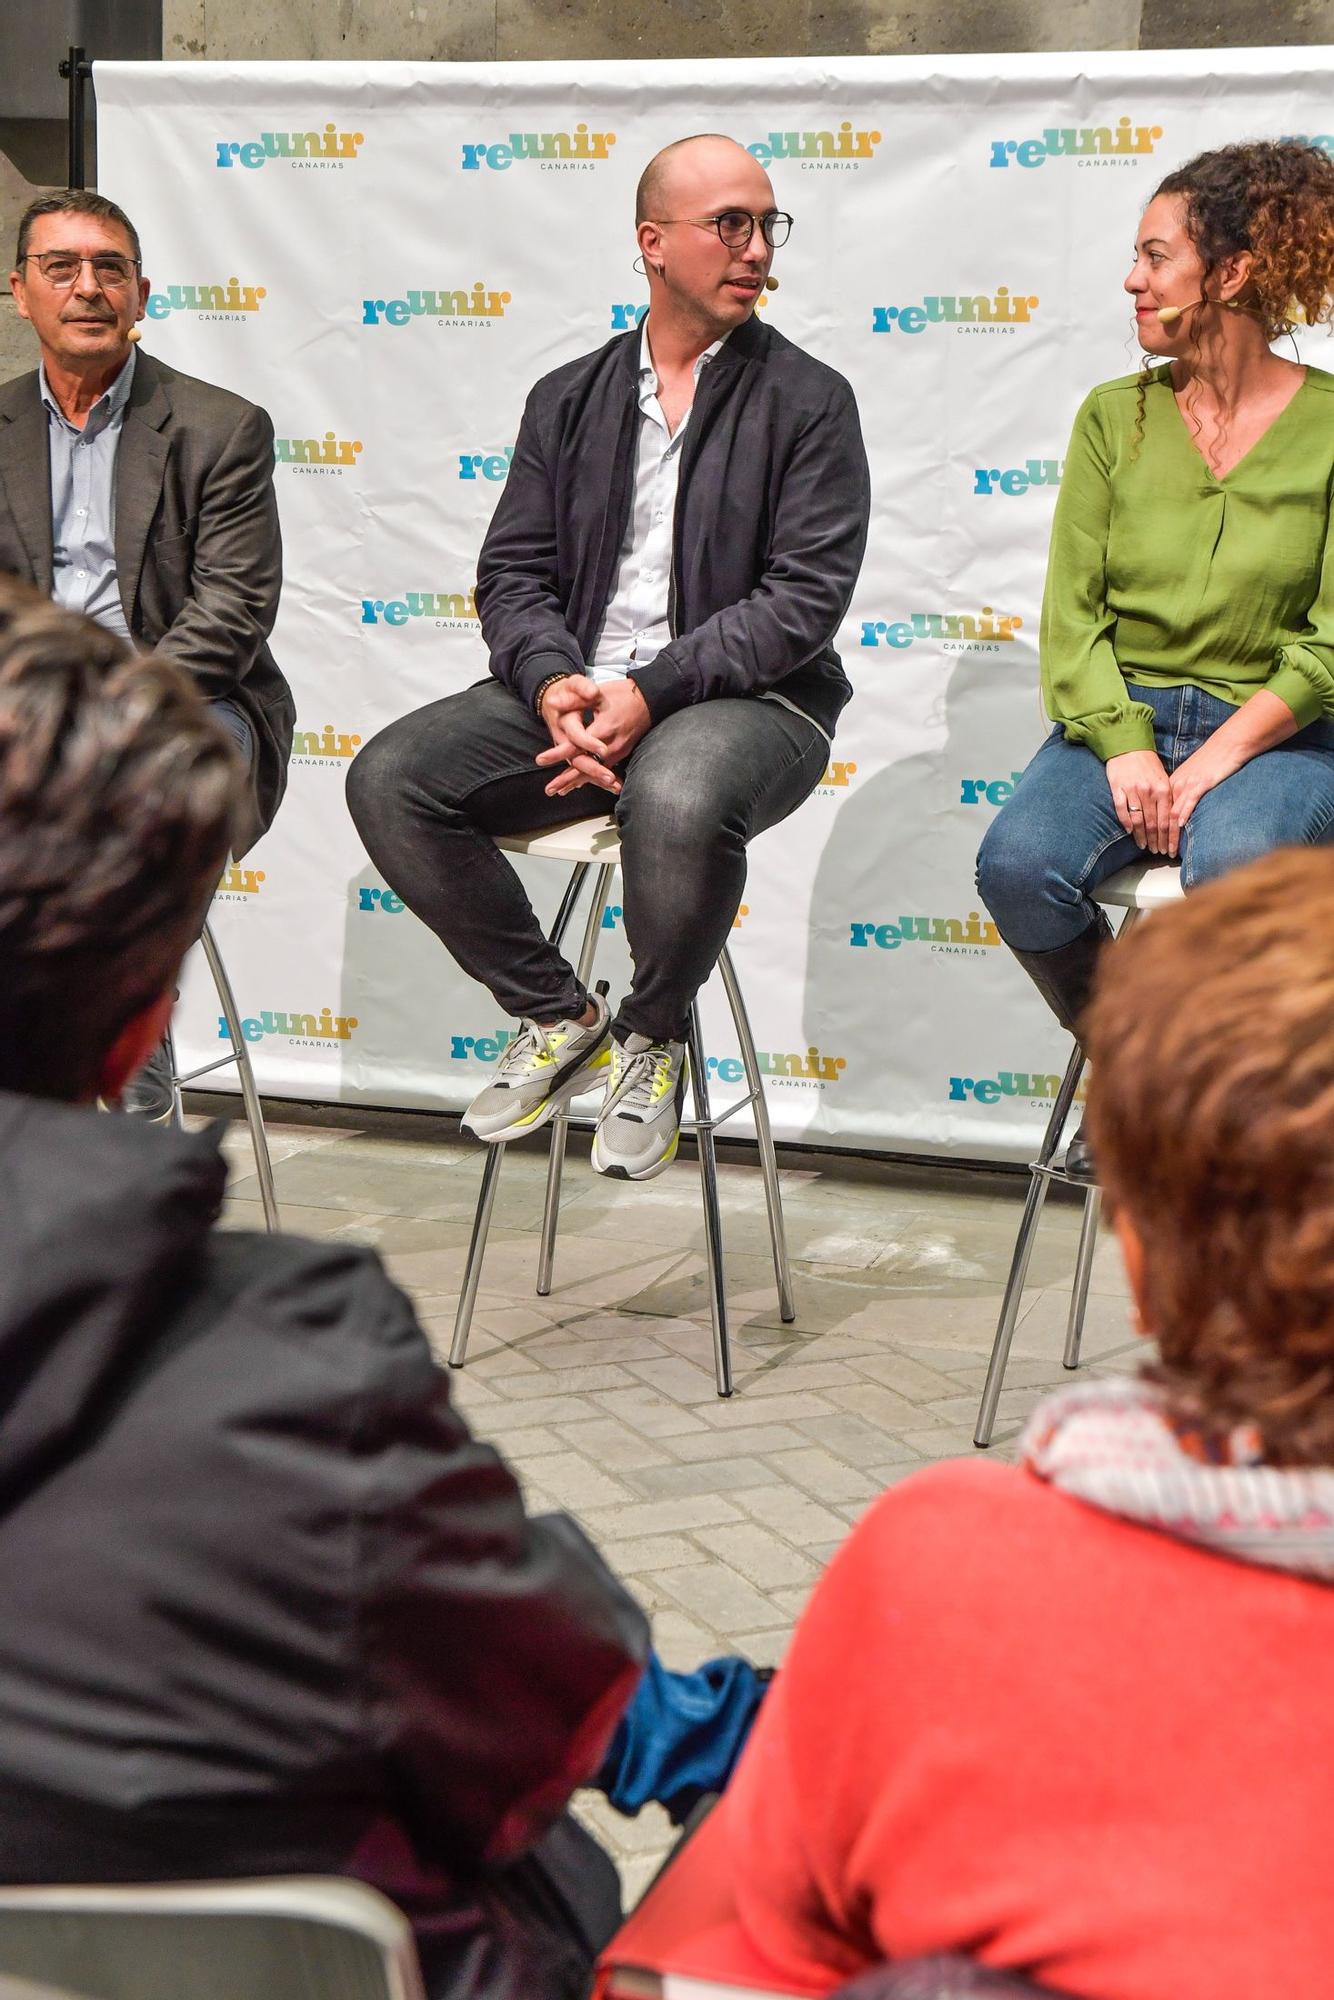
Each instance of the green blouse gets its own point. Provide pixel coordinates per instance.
(1161, 575)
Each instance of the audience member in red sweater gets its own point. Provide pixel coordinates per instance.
(1077, 1717)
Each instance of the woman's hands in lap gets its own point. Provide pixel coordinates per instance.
(1144, 798)
(1217, 758)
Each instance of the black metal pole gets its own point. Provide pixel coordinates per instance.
(76, 70)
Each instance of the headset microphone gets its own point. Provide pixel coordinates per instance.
(134, 334)
(1168, 315)
(771, 284)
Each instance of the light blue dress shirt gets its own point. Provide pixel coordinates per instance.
(83, 502)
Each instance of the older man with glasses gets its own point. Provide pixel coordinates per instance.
(659, 589)
(142, 497)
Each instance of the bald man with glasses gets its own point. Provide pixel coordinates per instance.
(142, 497)
(660, 587)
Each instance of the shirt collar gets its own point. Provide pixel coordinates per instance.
(648, 373)
(108, 405)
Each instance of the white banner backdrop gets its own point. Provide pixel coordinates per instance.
(386, 256)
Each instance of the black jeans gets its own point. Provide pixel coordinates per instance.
(428, 792)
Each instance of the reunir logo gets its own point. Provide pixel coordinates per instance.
(492, 465)
(557, 152)
(816, 151)
(988, 791)
(447, 607)
(1017, 479)
(323, 744)
(1090, 145)
(475, 308)
(214, 301)
(1030, 1084)
(1001, 312)
(372, 898)
(958, 629)
(322, 1027)
(837, 778)
(329, 148)
(328, 454)
(964, 935)
(239, 882)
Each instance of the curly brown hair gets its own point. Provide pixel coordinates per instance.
(1211, 1035)
(117, 791)
(1274, 198)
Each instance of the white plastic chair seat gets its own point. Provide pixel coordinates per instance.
(1145, 885)
(583, 840)
(304, 1937)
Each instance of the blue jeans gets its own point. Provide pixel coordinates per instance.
(1058, 837)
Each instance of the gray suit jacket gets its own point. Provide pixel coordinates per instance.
(198, 552)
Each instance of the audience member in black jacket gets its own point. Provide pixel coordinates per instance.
(677, 542)
(267, 1605)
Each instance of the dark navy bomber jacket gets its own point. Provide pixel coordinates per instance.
(771, 520)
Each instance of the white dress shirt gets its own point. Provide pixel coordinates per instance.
(634, 627)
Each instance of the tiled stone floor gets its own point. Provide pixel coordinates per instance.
(718, 1514)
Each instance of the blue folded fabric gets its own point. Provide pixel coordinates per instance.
(681, 1735)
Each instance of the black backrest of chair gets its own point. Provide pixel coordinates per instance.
(947, 1978)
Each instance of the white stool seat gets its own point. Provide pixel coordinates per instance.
(583, 840)
(1145, 885)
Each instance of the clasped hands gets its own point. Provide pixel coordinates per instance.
(588, 752)
(1153, 806)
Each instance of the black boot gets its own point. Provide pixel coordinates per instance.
(1064, 978)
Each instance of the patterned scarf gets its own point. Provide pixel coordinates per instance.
(1115, 1445)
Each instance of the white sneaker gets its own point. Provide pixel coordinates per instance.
(539, 1072)
(640, 1122)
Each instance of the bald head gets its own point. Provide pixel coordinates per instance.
(708, 168)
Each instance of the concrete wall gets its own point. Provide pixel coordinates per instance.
(18, 349)
(537, 30)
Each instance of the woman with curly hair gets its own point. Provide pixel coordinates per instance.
(1072, 1717)
(1187, 639)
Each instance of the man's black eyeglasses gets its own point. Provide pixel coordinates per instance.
(736, 226)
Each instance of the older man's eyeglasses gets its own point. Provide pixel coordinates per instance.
(736, 226)
(61, 268)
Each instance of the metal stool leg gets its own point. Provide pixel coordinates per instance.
(472, 1272)
(560, 1124)
(177, 1104)
(486, 1197)
(254, 1116)
(1079, 1291)
(773, 1199)
(1038, 1183)
(713, 1221)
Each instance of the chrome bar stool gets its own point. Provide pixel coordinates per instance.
(240, 1055)
(1138, 890)
(590, 844)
